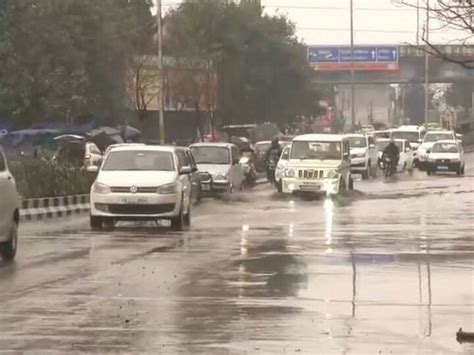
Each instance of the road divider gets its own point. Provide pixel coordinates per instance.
(53, 207)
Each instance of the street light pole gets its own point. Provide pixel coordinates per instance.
(161, 86)
(427, 63)
(352, 67)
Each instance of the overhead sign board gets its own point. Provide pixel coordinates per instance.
(361, 58)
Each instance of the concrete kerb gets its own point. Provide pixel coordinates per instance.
(53, 207)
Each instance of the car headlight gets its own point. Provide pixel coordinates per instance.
(167, 189)
(221, 177)
(100, 188)
(456, 160)
(332, 174)
(290, 173)
(431, 159)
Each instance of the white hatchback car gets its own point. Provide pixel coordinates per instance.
(141, 183)
(447, 155)
(9, 211)
(219, 162)
(430, 139)
(364, 154)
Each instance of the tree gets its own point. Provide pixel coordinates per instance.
(63, 60)
(451, 15)
(262, 70)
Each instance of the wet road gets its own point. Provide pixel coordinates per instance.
(388, 269)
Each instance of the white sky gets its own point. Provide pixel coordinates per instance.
(375, 21)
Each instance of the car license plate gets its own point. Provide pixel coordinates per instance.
(134, 201)
(206, 187)
(442, 167)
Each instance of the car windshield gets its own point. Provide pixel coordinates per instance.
(409, 136)
(382, 134)
(357, 142)
(434, 137)
(445, 148)
(211, 155)
(315, 150)
(138, 160)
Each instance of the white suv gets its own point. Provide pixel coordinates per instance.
(364, 155)
(9, 211)
(319, 163)
(141, 183)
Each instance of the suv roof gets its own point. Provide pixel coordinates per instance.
(319, 137)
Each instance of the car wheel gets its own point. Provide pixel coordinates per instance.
(351, 183)
(366, 174)
(342, 186)
(178, 222)
(187, 217)
(109, 224)
(462, 170)
(8, 249)
(280, 186)
(96, 223)
(459, 170)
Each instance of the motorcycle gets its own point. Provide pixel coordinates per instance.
(248, 167)
(271, 167)
(388, 166)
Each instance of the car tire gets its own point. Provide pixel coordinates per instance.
(462, 170)
(366, 174)
(109, 224)
(279, 186)
(8, 249)
(351, 183)
(178, 222)
(96, 223)
(459, 170)
(187, 217)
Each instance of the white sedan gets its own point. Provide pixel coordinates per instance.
(405, 163)
(9, 211)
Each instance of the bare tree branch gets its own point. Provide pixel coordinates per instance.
(450, 15)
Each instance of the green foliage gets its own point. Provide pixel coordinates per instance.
(63, 60)
(262, 69)
(40, 179)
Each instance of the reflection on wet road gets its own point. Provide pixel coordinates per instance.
(386, 269)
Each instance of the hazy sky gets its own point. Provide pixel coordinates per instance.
(375, 21)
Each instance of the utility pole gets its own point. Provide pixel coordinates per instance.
(352, 68)
(427, 63)
(161, 86)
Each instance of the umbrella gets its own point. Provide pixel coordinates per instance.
(129, 132)
(69, 138)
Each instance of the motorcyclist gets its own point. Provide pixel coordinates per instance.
(392, 152)
(272, 156)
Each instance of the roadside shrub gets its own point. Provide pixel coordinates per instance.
(36, 178)
(468, 139)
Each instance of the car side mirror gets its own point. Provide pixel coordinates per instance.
(371, 146)
(407, 149)
(428, 151)
(185, 170)
(92, 169)
(345, 156)
(194, 169)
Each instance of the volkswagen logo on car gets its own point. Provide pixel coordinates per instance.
(133, 189)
